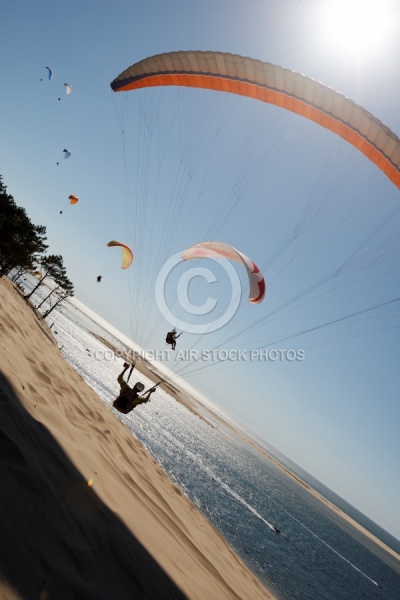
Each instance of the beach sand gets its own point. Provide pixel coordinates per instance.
(86, 512)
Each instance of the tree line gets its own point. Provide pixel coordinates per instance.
(23, 250)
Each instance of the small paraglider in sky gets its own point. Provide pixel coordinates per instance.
(72, 200)
(49, 73)
(67, 154)
(68, 89)
(127, 254)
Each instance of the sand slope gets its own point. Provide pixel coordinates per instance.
(129, 533)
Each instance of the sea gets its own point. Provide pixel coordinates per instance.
(245, 496)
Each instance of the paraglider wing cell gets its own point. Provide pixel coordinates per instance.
(222, 250)
(127, 254)
(275, 85)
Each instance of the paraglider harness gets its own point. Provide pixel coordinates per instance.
(129, 398)
(171, 336)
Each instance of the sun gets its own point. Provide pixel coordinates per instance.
(358, 28)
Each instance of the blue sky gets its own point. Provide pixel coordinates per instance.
(156, 168)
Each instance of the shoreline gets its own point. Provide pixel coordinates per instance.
(124, 477)
(351, 526)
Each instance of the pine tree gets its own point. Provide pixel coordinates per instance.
(20, 240)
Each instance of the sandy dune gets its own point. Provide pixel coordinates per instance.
(85, 511)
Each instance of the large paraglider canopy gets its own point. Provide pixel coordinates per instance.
(222, 250)
(275, 85)
(127, 254)
(299, 201)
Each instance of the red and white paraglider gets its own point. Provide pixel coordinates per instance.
(222, 250)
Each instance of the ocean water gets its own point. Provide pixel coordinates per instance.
(239, 491)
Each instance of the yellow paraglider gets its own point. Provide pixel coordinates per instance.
(127, 254)
(275, 85)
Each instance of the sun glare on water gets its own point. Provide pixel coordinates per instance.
(358, 28)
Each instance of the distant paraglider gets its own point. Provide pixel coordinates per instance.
(67, 154)
(222, 250)
(72, 200)
(67, 86)
(49, 73)
(127, 254)
(68, 89)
